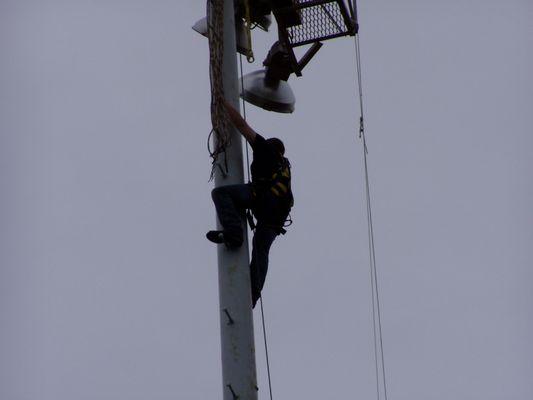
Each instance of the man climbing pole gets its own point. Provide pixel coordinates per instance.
(269, 196)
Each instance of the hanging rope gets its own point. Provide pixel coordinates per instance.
(376, 308)
(219, 118)
(249, 179)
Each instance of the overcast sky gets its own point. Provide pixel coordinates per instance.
(108, 288)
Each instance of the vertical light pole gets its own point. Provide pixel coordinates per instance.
(236, 319)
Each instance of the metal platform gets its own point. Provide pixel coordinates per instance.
(317, 20)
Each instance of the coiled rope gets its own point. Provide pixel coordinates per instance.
(219, 117)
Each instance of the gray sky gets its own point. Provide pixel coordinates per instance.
(108, 287)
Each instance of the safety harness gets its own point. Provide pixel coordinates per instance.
(279, 185)
(281, 181)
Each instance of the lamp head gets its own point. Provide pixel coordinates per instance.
(241, 34)
(200, 26)
(271, 95)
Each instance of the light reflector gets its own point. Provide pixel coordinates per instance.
(241, 34)
(274, 96)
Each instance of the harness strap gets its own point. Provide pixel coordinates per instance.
(280, 186)
(250, 219)
(280, 229)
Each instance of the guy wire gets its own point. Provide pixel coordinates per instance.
(376, 308)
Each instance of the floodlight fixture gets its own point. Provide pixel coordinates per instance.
(241, 34)
(200, 26)
(269, 94)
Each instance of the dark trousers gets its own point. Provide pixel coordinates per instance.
(231, 203)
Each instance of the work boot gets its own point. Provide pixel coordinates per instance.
(255, 298)
(218, 237)
(215, 236)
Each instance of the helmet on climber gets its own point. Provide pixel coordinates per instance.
(277, 144)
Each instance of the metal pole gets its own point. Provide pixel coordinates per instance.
(236, 319)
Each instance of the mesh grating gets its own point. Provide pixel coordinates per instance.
(319, 22)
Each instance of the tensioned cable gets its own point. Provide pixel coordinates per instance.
(266, 346)
(244, 116)
(376, 308)
(261, 298)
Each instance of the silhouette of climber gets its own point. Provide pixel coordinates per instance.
(269, 196)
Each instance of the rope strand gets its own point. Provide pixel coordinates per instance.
(266, 347)
(219, 118)
(379, 355)
(261, 298)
